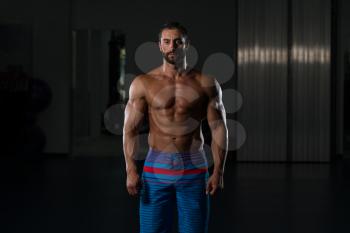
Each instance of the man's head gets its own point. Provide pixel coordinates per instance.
(173, 42)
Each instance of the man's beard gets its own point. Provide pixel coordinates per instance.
(175, 59)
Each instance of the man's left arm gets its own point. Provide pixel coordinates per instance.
(216, 116)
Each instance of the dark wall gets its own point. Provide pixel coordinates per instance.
(49, 21)
(211, 24)
(343, 45)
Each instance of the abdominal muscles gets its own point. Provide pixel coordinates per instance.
(175, 130)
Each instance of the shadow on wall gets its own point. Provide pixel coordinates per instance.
(22, 98)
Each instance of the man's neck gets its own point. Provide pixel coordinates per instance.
(174, 70)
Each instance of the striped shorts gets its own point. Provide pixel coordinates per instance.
(172, 180)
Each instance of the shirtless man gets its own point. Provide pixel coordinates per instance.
(176, 99)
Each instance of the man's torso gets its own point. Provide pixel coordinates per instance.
(176, 107)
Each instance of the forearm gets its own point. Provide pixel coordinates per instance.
(130, 146)
(219, 147)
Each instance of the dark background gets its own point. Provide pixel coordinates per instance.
(62, 167)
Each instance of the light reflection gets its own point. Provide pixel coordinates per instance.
(308, 54)
(262, 55)
(275, 55)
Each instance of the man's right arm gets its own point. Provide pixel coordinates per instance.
(135, 111)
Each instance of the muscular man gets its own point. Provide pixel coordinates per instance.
(177, 99)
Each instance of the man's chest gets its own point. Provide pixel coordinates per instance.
(168, 94)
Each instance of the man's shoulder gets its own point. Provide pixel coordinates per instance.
(205, 80)
(141, 83)
(145, 77)
(141, 79)
(208, 83)
(138, 86)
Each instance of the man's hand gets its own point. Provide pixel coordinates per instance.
(133, 183)
(215, 181)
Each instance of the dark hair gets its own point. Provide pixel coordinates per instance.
(174, 25)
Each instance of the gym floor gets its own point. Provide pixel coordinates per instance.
(87, 194)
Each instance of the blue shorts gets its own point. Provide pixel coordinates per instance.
(169, 180)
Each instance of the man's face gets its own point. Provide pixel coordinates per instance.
(172, 45)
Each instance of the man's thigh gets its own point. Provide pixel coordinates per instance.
(156, 207)
(193, 208)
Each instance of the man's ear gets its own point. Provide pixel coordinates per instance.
(187, 44)
(160, 47)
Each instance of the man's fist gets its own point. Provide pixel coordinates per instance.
(215, 181)
(133, 183)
